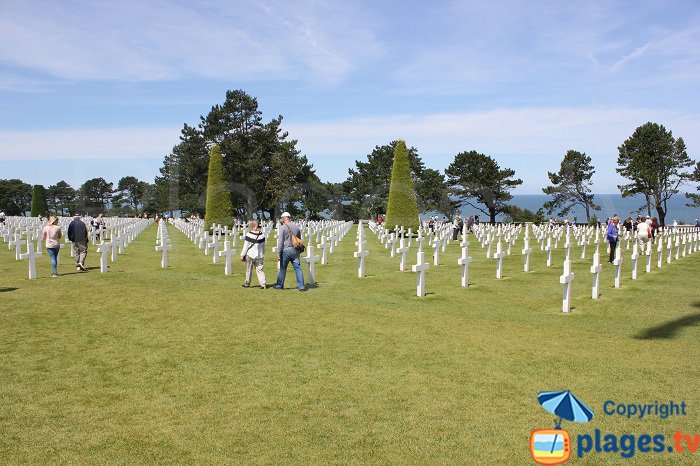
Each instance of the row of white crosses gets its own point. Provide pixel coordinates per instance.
(121, 233)
(220, 243)
(163, 243)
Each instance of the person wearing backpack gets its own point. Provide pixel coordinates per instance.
(253, 254)
(288, 235)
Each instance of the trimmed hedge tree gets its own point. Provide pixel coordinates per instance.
(218, 208)
(402, 208)
(39, 205)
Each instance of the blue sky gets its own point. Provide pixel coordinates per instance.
(96, 88)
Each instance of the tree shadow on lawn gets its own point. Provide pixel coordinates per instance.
(669, 329)
(5, 290)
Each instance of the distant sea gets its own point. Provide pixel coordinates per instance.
(610, 204)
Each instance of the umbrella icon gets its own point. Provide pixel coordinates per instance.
(565, 405)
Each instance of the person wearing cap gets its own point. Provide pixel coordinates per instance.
(78, 235)
(287, 252)
(51, 234)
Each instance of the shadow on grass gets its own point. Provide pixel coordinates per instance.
(5, 290)
(669, 329)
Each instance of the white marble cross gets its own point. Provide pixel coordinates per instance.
(565, 279)
(660, 250)
(648, 254)
(323, 246)
(17, 243)
(215, 246)
(527, 250)
(635, 257)
(164, 248)
(227, 253)
(104, 249)
(420, 240)
(436, 252)
(392, 242)
(595, 270)
(361, 254)
(499, 255)
(678, 246)
(31, 256)
(669, 247)
(567, 246)
(310, 259)
(420, 267)
(464, 262)
(618, 264)
(549, 250)
(402, 250)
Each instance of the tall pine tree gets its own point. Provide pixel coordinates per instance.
(218, 209)
(402, 208)
(39, 204)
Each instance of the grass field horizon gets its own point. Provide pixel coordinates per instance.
(144, 365)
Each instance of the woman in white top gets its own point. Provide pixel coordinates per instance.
(643, 235)
(51, 234)
(253, 253)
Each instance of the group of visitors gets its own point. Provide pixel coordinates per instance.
(51, 234)
(253, 253)
(643, 229)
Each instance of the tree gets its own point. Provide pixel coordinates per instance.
(571, 185)
(182, 184)
(131, 193)
(655, 162)
(515, 214)
(218, 209)
(39, 205)
(61, 197)
(95, 195)
(262, 168)
(475, 176)
(695, 197)
(368, 185)
(432, 193)
(402, 208)
(15, 196)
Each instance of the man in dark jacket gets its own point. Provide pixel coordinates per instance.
(77, 233)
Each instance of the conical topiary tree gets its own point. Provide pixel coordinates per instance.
(402, 208)
(39, 205)
(218, 208)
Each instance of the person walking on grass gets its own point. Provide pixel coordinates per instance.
(78, 235)
(51, 235)
(288, 253)
(643, 234)
(612, 236)
(253, 254)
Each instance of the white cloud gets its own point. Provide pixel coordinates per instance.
(87, 144)
(157, 40)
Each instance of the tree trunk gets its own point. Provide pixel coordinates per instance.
(492, 215)
(648, 204)
(662, 214)
(588, 213)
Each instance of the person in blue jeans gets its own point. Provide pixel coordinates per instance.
(287, 252)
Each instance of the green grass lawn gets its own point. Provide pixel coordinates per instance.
(144, 365)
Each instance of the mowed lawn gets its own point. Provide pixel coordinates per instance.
(143, 365)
